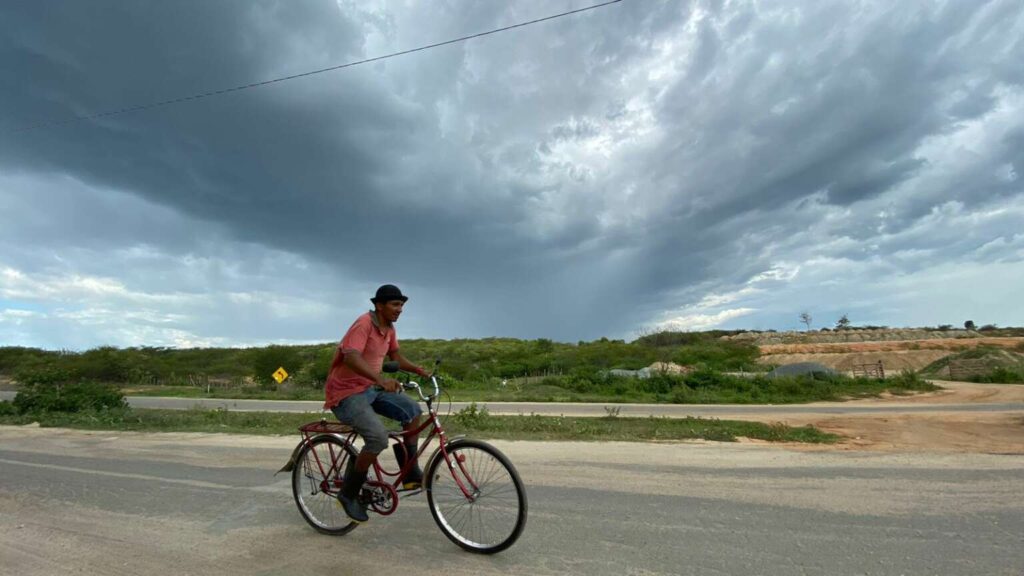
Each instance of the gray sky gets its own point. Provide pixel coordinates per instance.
(650, 164)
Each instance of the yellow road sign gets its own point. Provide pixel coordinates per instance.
(280, 375)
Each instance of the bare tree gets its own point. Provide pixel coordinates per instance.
(805, 317)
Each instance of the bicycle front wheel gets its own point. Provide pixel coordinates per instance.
(316, 481)
(480, 502)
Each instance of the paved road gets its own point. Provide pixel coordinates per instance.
(581, 409)
(120, 503)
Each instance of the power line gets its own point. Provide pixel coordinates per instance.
(303, 74)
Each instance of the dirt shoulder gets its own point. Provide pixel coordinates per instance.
(965, 432)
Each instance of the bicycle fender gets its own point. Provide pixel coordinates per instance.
(290, 465)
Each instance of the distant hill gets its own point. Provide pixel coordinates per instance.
(869, 334)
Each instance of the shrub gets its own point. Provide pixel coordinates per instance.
(105, 364)
(682, 395)
(68, 398)
(266, 361)
(472, 416)
(315, 373)
(658, 383)
(1001, 375)
(579, 383)
(43, 376)
(7, 408)
(909, 380)
(706, 379)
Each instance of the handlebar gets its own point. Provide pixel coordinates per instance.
(410, 385)
(392, 367)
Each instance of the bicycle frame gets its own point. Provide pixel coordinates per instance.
(347, 435)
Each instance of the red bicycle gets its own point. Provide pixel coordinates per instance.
(473, 491)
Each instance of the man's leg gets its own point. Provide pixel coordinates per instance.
(408, 412)
(357, 412)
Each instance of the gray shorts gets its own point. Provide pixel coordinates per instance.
(360, 412)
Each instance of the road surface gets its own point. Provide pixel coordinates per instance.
(124, 503)
(597, 409)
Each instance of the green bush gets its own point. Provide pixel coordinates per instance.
(657, 384)
(266, 361)
(909, 380)
(472, 416)
(44, 375)
(75, 397)
(1000, 375)
(104, 364)
(7, 408)
(315, 372)
(707, 379)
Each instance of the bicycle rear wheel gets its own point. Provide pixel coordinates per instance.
(316, 480)
(493, 516)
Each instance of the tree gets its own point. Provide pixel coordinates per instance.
(266, 361)
(843, 323)
(969, 325)
(805, 317)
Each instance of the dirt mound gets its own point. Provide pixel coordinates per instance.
(895, 356)
(975, 362)
(893, 362)
(949, 345)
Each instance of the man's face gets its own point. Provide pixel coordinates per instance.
(391, 310)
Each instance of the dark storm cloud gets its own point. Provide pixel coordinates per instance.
(571, 179)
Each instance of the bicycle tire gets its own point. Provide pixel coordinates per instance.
(500, 493)
(316, 495)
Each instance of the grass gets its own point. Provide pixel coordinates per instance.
(1001, 376)
(470, 421)
(697, 388)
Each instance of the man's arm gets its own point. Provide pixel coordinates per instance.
(407, 366)
(355, 361)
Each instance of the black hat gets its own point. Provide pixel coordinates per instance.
(387, 293)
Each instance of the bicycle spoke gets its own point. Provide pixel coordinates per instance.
(315, 485)
(491, 516)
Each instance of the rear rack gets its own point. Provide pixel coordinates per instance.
(322, 426)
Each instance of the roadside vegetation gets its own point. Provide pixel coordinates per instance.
(491, 369)
(488, 360)
(473, 421)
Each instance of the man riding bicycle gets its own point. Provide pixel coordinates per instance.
(356, 392)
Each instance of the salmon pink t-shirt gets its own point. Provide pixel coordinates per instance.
(366, 337)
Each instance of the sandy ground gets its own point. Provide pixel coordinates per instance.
(893, 361)
(963, 432)
(894, 355)
(948, 344)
